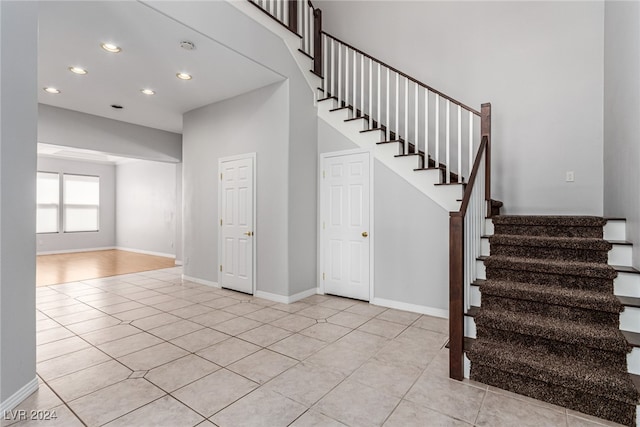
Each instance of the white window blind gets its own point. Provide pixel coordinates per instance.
(48, 202)
(81, 200)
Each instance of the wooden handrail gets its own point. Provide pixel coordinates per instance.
(408, 77)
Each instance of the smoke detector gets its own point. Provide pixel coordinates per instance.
(187, 45)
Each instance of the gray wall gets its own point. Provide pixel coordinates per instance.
(74, 129)
(538, 63)
(18, 134)
(105, 237)
(411, 235)
(253, 122)
(146, 207)
(621, 116)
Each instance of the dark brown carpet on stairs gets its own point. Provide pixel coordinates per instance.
(548, 326)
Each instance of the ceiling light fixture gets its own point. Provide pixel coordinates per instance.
(147, 91)
(109, 47)
(52, 90)
(78, 70)
(187, 45)
(184, 76)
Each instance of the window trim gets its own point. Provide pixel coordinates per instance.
(64, 205)
(58, 205)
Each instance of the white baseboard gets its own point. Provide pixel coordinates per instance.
(142, 251)
(286, 299)
(17, 397)
(71, 251)
(422, 309)
(201, 281)
(178, 262)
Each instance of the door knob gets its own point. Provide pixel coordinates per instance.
(365, 234)
(248, 233)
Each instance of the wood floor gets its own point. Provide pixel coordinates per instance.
(74, 267)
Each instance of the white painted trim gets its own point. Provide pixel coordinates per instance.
(254, 163)
(321, 160)
(415, 308)
(284, 299)
(72, 251)
(201, 281)
(178, 262)
(19, 396)
(142, 251)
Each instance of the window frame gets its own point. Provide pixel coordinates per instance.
(58, 205)
(64, 205)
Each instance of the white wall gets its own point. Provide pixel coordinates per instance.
(60, 126)
(621, 116)
(253, 122)
(411, 235)
(538, 63)
(146, 207)
(105, 237)
(18, 133)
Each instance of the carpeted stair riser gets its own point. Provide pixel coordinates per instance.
(613, 410)
(603, 338)
(549, 266)
(550, 279)
(568, 373)
(548, 230)
(550, 253)
(559, 312)
(592, 356)
(553, 248)
(555, 295)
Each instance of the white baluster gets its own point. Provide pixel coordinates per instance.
(285, 13)
(312, 24)
(387, 133)
(447, 142)
(355, 84)
(361, 85)
(271, 10)
(339, 74)
(305, 13)
(415, 105)
(426, 128)
(346, 76)
(325, 86)
(333, 68)
(470, 143)
(406, 115)
(437, 129)
(398, 106)
(378, 111)
(370, 92)
(459, 153)
(279, 10)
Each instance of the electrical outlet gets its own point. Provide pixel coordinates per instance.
(570, 176)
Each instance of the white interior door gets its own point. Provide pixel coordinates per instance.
(236, 224)
(345, 205)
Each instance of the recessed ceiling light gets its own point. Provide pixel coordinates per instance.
(109, 47)
(187, 45)
(78, 70)
(52, 90)
(184, 76)
(147, 91)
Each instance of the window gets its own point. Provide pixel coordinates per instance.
(81, 196)
(48, 201)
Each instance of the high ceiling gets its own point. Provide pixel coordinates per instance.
(70, 34)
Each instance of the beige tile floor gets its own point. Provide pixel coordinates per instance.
(149, 349)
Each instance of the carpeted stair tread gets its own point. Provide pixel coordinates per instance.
(548, 367)
(568, 297)
(583, 243)
(536, 220)
(570, 268)
(602, 337)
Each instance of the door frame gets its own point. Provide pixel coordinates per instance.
(372, 234)
(221, 160)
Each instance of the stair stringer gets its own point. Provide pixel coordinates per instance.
(292, 41)
(446, 196)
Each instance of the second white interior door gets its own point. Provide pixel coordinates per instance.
(345, 202)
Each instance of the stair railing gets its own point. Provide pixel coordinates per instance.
(466, 228)
(421, 118)
(429, 123)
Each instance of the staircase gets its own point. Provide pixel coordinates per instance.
(548, 325)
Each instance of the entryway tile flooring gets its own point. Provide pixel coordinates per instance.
(150, 349)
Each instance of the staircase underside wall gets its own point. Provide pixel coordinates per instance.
(411, 235)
